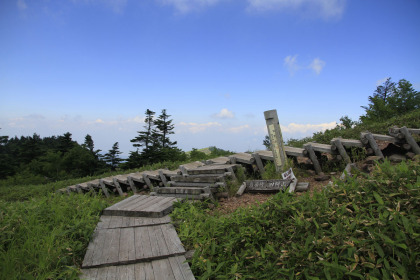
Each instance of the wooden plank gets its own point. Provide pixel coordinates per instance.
(89, 274)
(410, 140)
(163, 247)
(126, 272)
(144, 271)
(116, 222)
(180, 190)
(154, 245)
(242, 158)
(218, 160)
(181, 262)
(111, 250)
(322, 148)
(241, 190)
(120, 204)
(259, 163)
(212, 178)
(102, 273)
(128, 204)
(103, 222)
(266, 185)
(370, 138)
(153, 174)
(94, 243)
(156, 207)
(117, 185)
(176, 269)
(143, 204)
(267, 155)
(313, 158)
(348, 143)
(379, 137)
(172, 239)
(142, 243)
(127, 251)
(99, 243)
(162, 269)
(112, 273)
(148, 182)
(341, 150)
(163, 178)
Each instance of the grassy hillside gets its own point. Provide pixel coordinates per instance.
(366, 228)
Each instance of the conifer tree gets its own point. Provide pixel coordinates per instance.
(112, 157)
(164, 128)
(145, 138)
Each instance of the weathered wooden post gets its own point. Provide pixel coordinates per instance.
(276, 139)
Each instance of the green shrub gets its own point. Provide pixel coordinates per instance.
(365, 228)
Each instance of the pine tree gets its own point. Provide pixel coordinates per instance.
(112, 157)
(164, 128)
(145, 138)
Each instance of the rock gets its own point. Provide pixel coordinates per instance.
(189, 254)
(372, 159)
(397, 158)
(410, 155)
(367, 167)
(222, 195)
(322, 177)
(311, 172)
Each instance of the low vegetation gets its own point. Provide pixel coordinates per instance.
(365, 228)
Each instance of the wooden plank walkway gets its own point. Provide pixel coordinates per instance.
(142, 206)
(126, 245)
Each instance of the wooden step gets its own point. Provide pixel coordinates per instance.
(210, 178)
(141, 206)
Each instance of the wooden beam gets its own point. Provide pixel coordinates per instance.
(259, 163)
(314, 159)
(371, 140)
(410, 140)
(341, 150)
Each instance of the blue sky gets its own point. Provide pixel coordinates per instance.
(95, 66)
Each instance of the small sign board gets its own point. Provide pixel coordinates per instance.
(267, 186)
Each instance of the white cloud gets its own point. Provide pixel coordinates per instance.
(186, 6)
(317, 65)
(313, 8)
(237, 129)
(291, 63)
(381, 81)
(21, 5)
(306, 128)
(224, 114)
(293, 66)
(198, 127)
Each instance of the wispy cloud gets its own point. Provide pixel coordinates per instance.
(306, 128)
(238, 129)
(292, 65)
(381, 81)
(313, 8)
(117, 6)
(224, 114)
(198, 127)
(21, 4)
(186, 6)
(317, 65)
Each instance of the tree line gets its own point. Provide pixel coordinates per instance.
(60, 157)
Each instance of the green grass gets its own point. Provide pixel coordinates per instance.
(366, 228)
(46, 237)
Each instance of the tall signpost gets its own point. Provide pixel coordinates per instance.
(276, 139)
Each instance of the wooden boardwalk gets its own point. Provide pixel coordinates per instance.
(135, 240)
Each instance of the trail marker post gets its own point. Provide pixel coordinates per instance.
(276, 139)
